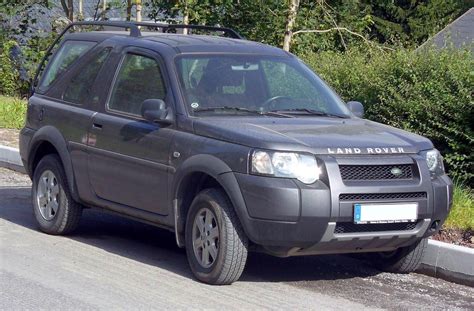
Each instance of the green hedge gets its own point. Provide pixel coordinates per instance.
(9, 76)
(428, 93)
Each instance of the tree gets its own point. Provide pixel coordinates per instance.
(68, 8)
(80, 15)
(290, 22)
(129, 10)
(138, 4)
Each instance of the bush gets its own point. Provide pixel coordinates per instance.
(9, 76)
(12, 112)
(461, 215)
(18, 64)
(428, 93)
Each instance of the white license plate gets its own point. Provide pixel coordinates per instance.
(383, 213)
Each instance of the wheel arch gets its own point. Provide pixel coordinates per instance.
(48, 140)
(196, 174)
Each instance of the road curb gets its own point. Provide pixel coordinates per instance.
(10, 158)
(449, 262)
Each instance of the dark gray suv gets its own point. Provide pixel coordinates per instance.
(233, 145)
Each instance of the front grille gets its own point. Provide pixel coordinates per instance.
(349, 227)
(376, 172)
(381, 196)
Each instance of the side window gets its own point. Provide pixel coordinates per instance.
(139, 78)
(79, 87)
(67, 54)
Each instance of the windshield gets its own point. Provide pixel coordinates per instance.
(243, 84)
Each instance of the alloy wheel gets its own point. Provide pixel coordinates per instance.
(205, 237)
(47, 195)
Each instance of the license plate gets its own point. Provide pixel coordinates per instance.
(385, 213)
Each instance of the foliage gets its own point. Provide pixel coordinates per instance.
(428, 93)
(23, 43)
(12, 112)
(461, 215)
(8, 73)
(401, 22)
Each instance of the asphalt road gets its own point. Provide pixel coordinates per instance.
(115, 263)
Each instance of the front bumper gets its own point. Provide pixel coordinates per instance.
(287, 217)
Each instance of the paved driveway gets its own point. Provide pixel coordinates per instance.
(112, 262)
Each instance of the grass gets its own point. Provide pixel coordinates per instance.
(12, 112)
(461, 215)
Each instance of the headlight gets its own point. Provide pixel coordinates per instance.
(434, 160)
(303, 167)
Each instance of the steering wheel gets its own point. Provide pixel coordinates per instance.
(266, 104)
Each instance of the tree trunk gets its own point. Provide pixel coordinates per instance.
(80, 15)
(129, 10)
(185, 17)
(70, 4)
(139, 10)
(290, 22)
(65, 8)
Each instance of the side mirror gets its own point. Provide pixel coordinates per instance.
(356, 108)
(154, 110)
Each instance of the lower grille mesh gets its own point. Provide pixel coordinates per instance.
(381, 196)
(349, 227)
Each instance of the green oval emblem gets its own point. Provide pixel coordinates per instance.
(396, 171)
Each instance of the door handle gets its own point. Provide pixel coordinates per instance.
(97, 126)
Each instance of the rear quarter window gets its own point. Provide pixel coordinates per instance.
(79, 88)
(69, 52)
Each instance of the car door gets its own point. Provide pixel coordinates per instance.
(128, 158)
(64, 98)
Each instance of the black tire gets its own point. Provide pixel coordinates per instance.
(69, 212)
(403, 260)
(232, 241)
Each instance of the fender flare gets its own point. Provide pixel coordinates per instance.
(52, 135)
(221, 172)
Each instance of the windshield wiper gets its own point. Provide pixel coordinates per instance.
(310, 112)
(239, 109)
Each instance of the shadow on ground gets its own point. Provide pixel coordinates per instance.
(154, 246)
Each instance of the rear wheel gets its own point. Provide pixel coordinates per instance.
(216, 245)
(54, 208)
(403, 260)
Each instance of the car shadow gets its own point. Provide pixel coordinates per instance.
(156, 247)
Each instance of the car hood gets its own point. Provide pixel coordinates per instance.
(319, 135)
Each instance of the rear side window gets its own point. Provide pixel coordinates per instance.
(79, 87)
(139, 78)
(66, 55)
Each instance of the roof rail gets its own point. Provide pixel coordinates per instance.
(165, 28)
(227, 31)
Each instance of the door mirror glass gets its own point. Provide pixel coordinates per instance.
(154, 110)
(356, 108)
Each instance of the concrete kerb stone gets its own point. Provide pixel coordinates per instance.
(10, 158)
(449, 262)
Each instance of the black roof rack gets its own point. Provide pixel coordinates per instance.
(165, 28)
(134, 32)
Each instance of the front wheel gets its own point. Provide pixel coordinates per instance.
(216, 245)
(403, 260)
